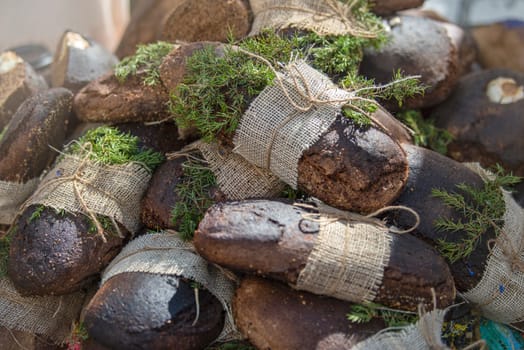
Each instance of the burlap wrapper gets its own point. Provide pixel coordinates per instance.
(347, 261)
(325, 17)
(424, 335)
(12, 196)
(114, 191)
(236, 177)
(273, 133)
(167, 254)
(500, 292)
(50, 316)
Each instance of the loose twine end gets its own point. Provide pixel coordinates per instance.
(333, 214)
(197, 302)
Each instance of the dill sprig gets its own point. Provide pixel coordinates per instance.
(482, 210)
(364, 313)
(193, 194)
(110, 146)
(37, 212)
(426, 134)
(146, 60)
(361, 11)
(274, 47)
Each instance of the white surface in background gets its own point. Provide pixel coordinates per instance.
(480, 11)
(44, 22)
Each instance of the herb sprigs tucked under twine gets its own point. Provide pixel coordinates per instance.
(425, 133)
(105, 173)
(217, 90)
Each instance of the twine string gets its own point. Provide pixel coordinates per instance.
(330, 214)
(299, 85)
(76, 179)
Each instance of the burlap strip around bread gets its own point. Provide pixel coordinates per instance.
(12, 196)
(500, 292)
(50, 316)
(167, 254)
(424, 335)
(347, 261)
(324, 17)
(110, 190)
(236, 177)
(287, 118)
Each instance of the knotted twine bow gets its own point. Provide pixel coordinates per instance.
(327, 213)
(287, 118)
(81, 185)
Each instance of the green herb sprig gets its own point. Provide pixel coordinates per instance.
(146, 60)
(364, 313)
(110, 146)
(426, 134)
(483, 209)
(193, 198)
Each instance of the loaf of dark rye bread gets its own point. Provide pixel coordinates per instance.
(273, 239)
(137, 310)
(39, 124)
(274, 316)
(57, 253)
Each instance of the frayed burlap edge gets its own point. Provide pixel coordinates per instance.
(324, 17)
(236, 177)
(167, 254)
(78, 185)
(500, 292)
(50, 316)
(12, 196)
